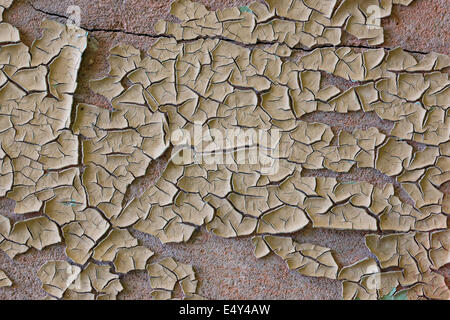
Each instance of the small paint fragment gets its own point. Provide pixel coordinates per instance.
(245, 9)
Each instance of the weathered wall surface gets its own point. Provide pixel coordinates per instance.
(227, 269)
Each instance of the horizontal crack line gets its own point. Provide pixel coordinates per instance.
(156, 36)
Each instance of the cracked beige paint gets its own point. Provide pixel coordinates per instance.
(4, 280)
(39, 153)
(166, 273)
(223, 70)
(128, 259)
(414, 256)
(94, 282)
(56, 277)
(308, 259)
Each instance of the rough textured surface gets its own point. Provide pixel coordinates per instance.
(226, 267)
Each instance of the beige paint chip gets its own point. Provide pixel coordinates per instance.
(95, 282)
(36, 233)
(440, 248)
(355, 276)
(108, 248)
(82, 234)
(129, 259)
(4, 280)
(166, 273)
(305, 258)
(56, 277)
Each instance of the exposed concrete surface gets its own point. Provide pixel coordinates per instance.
(226, 268)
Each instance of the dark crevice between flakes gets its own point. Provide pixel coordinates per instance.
(152, 175)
